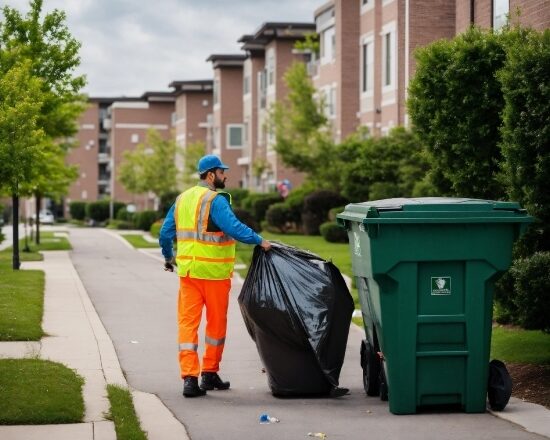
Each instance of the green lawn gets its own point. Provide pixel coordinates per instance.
(21, 302)
(520, 346)
(37, 392)
(138, 241)
(48, 242)
(123, 414)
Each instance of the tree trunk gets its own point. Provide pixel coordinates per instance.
(15, 215)
(38, 199)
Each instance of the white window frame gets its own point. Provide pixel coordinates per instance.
(328, 45)
(366, 5)
(389, 28)
(369, 41)
(270, 67)
(228, 128)
(502, 17)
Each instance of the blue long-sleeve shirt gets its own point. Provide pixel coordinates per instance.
(223, 217)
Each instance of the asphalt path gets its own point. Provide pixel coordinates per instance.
(136, 300)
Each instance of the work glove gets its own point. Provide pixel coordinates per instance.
(169, 264)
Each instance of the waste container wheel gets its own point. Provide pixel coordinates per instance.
(383, 386)
(371, 369)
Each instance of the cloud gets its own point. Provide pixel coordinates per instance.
(129, 49)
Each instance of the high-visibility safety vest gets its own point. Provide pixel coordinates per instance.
(203, 250)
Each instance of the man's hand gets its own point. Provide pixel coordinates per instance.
(266, 245)
(169, 264)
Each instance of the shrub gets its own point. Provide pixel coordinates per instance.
(77, 210)
(155, 228)
(316, 208)
(334, 212)
(278, 216)
(124, 215)
(333, 233)
(237, 197)
(248, 219)
(98, 211)
(258, 204)
(532, 284)
(144, 219)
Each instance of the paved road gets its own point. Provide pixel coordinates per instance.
(136, 301)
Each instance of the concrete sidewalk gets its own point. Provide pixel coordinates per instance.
(77, 338)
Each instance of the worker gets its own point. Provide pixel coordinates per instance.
(206, 228)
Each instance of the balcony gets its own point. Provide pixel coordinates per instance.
(103, 158)
(106, 123)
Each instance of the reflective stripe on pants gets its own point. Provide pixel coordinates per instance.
(193, 295)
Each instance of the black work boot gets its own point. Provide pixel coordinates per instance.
(191, 387)
(212, 380)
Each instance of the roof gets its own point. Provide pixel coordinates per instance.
(283, 30)
(198, 85)
(227, 60)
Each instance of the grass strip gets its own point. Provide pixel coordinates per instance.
(123, 414)
(39, 392)
(511, 344)
(138, 241)
(21, 302)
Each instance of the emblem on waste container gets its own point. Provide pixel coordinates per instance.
(441, 285)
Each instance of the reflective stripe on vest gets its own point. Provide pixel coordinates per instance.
(201, 254)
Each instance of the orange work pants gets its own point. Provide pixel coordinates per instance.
(195, 293)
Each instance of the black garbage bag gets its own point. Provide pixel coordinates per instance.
(297, 308)
(499, 388)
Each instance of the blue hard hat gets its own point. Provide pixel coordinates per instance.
(209, 162)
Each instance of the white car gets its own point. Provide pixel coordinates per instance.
(46, 217)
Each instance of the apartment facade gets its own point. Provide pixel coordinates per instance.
(493, 13)
(227, 136)
(108, 128)
(193, 104)
(270, 52)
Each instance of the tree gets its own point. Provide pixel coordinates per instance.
(191, 155)
(52, 55)
(455, 102)
(151, 166)
(525, 130)
(301, 128)
(21, 138)
(380, 168)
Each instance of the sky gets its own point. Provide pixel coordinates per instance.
(133, 46)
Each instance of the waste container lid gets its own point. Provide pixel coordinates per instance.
(435, 210)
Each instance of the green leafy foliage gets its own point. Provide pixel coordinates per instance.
(316, 208)
(380, 168)
(333, 233)
(144, 219)
(151, 166)
(455, 102)
(77, 210)
(525, 130)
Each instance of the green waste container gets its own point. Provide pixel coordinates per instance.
(425, 270)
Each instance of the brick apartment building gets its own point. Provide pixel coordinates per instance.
(269, 53)
(108, 128)
(365, 63)
(226, 121)
(192, 107)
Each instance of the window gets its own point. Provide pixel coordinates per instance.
(270, 68)
(235, 135)
(262, 87)
(388, 56)
(246, 85)
(330, 101)
(501, 9)
(328, 45)
(367, 67)
(216, 91)
(135, 138)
